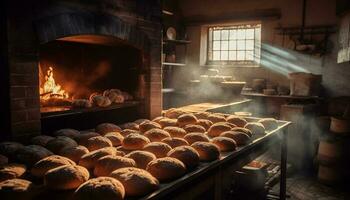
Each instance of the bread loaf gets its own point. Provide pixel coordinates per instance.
(175, 131)
(189, 128)
(106, 128)
(243, 130)
(238, 121)
(98, 142)
(41, 140)
(175, 142)
(126, 132)
(9, 149)
(269, 123)
(224, 143)
(186, 154)
(60, 142)
(167, 122)
(256, 128)
(66, 177)
(141, 158)
(174, 113)
(12, 170)
(202, 115)
(156, 134)
(196, 137)
(74, 153)
(68, 132)
(239, 137)
(207, 151)
(148, 125)
(218, 128)
(51, 162)
(107, 164)
(166, 169)
(186, 119)
(130, 125)
(115, 137)
(89, 160)
(205, 123)
(17, 189)
(159, 149)
(31, 154)
(82, 138)
(215, 118)
(134, 141)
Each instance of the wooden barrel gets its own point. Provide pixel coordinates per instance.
(330, 150)
(340, 125)
(329, 175)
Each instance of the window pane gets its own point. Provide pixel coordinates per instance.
(216, 45)
(240, 55)
(216, 35)
(224, 55)
(249, 55)
(241, 44)
(216, 55)
(233, 45)
(249, 33)
(249, 44)
(232, 55)
(241, 34)
(224, 45)
(233, 34)
(224, 35)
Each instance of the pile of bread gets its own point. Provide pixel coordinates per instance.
(114, 162)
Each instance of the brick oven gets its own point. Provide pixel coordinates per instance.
(55, 53)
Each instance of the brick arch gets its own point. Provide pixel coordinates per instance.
(75, 24)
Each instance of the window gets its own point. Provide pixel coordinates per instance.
(238, 44)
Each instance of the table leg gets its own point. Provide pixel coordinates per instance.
(283, 181)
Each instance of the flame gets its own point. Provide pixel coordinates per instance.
(51, 89)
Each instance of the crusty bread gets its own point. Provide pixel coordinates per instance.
(17, 189)
(174, 113)
(186, 154)
(207, 151)
(130, 125)
(165, 122)
(105, 188)
(148, 125)
(175, 131)
(189, 128)
(239, 137)
(134, 141)
(12, 170)
(60, 142)
(256, 128)
(156, 134)
(159, 149)
(224, 143)
(139, 121)
(89, 160)
(41, 140)
(205, 123)
(243, 130)
(106, 128)
(107, 164)
(238, 121)
(196, 137)
(185, 119)
(218, 128)
(175, 141)
(74, 153)
(98, 142)
(68, 132)
(201, 115)
(157, 119)
(83, 137)
(166, 169)
(269, 123)
(9, 149)
(51, 162)
(141, 158)
(137, 182)
(31, 154)
(115, 137)
(3, 160)
(215, 118)
(126, 132)
(66, 177)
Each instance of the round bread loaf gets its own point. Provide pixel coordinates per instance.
(137, 182)
(175, 142)
(196, 137)
(130, 125)
(17, 189)
(126, 132)
(105, 188)
(166, 169)
(74, 153)
(89, 160)
(41, 140)
(218, 128)
(60, 142)
(167, 122)
(189, 128)
(82, 138)
(106, 128)
(207, 151)
(66, 177)
(256, 128)
(157, 119)
(12, 170)
(122, 149)
(139, 121)
(107, 164)
(185, 119)
(174, 113)
(175, 131)
(215, 118)
(9, 149)
(269, 123)
(224, 143)
(159, 149)
(156, 134)
(202, 115)
(227, 123)
(205, 123)
(68, 132)
(115, 137)
(186, 154)
(31, 154)
(239, 137)
(3, 160)
(243, 130)
(236, 120)
(141, 158)
(98, 142)
(134, 141)
(51, 162)
(148, 125)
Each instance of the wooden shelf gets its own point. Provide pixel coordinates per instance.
(183, 42)
(173, 64)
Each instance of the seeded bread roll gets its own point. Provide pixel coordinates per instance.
(106, 128)
(207, 151)
(89, 160)
(31, 154)
(201, 115)
(105, 188)
(256, 128)
(196, 137)
(167, 122)
(239, 137)
(166, 169)
(3, 160)
(137, 182)
(215, 118)
(12, 170)
(205, 123)
(175, 142)
(126, 132)
(17, 189)
(269, 123)
(218, 128)
(186, 154)
(60, 142)
(156, 134)
(238, 121)
(68, 132)
(134, 141)
(82, 138)
(243, 130)
(174, 113)
(74, 153)
(115, 137)
(9, 149)
(141, 158)
(185, 119)
(66, 177)
(130, 125)
(51, 162)
(159, 149)
(189, 128)
(41, 140)
(224, 143)
(148, 125)
(98, 142)
(175, 131)
(107, 164)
